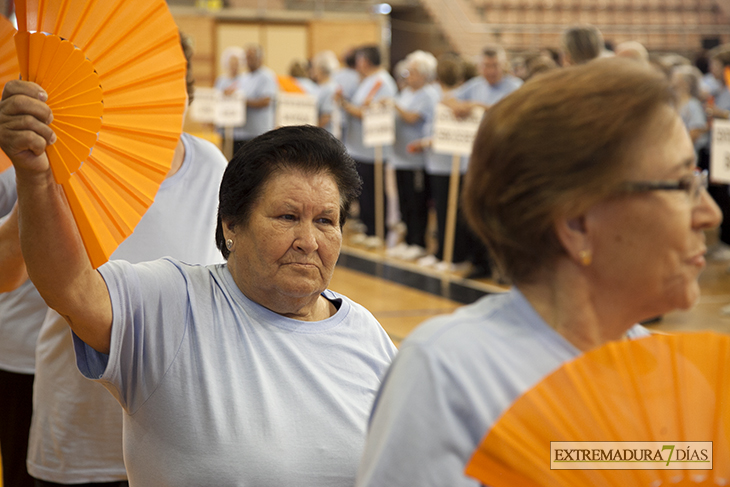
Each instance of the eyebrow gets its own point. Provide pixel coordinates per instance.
(688, 163)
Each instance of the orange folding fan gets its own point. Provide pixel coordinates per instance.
(115, 77)
(663, 388)
(8, 68)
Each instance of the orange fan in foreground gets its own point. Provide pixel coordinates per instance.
(662, 388)
(115, 76)
(8, 68)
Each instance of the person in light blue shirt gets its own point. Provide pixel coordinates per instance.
(493, 84)
(597, 215)
(376, 85)
(260, 87)
(249, 372)
(413, 106)
(483, 91)
(324, 65)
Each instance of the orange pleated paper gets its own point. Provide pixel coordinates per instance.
(661, 388)
(8, 68)
(115, 75)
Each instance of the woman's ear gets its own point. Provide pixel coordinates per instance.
(229, 229)
(572, 232)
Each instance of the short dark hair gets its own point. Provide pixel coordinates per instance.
(371, 53)
(305, 148)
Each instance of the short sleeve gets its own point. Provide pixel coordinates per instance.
(416, 433)
(697, 117)
(150, 306)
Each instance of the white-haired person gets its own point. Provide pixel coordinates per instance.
(324, 66)
(232, 62)
(413, 106)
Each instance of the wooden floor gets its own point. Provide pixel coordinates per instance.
(401, 308)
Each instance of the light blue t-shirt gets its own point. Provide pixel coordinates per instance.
(479, 90)
(693, 117)
(422, 102)
(353, 135)
(218, 390)
(326, 102)
(261, 83)
(348, 80)
(453, 378)
(438, 164)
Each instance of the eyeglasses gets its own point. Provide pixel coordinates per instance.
(691, 184)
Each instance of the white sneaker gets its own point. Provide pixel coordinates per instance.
(358, 238)
(372, 242)
(413, 252)
(397, 251)
(428, 261)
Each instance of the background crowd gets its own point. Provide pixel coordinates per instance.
(417, 196)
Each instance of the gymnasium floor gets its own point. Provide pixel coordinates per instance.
(401, 295)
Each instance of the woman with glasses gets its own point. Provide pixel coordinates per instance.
(584, 185)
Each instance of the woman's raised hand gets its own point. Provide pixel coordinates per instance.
(24, 126)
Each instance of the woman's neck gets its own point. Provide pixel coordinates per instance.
(576, 310)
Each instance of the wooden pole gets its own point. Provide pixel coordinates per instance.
(228, 143)
(451, 212)
(379, 200)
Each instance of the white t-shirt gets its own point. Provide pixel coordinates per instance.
(218, 390)
(453, 378)
(21, 310)
(76, 431)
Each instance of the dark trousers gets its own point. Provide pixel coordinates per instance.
(719, 193)
(16, 409)
(366, 170)
(466, 245)
(413, 201)
(43, 483)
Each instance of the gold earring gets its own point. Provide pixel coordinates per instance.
(229, 244)
(585, 257)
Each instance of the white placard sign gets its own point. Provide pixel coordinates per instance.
(296, 109)
(454, 135)
(202, 109)
(720, 155)
(230, 110)
(378, 124)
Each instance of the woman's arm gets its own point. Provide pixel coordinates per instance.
(52, 248)
(408, 117)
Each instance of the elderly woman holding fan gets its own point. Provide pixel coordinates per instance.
(584, 185)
